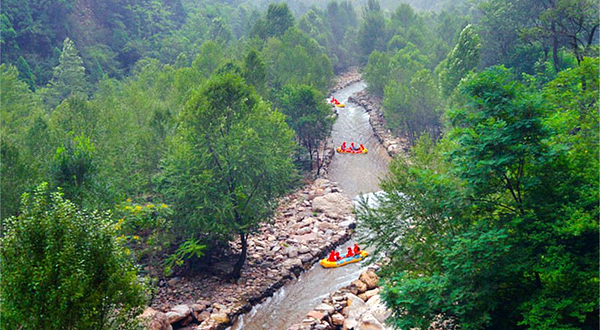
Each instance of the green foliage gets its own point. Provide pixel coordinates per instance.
(74, 168)
(228, 162)
(255, 71)
(63, 268)
(309, 116)
(372, 30)
(414, 110)
(496, 226)
(190, 249)
(297, 59)
(278, 20)
(68, 77)
(147, 229)
(463, 58)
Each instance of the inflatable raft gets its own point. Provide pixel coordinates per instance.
(340, 105)
(350, 151)
(345, 261)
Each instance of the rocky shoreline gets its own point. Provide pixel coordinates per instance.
(393, 144)
(356, 306)
(308, 224)
(346, 79)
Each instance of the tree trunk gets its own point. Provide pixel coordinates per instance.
(237, 269)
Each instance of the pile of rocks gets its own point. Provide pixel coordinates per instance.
(393, 144)
(356, 306)
(306, 226)
(346, 79)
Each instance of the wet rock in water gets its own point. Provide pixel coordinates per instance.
(369, 278)
(155, 320)
(334, 205)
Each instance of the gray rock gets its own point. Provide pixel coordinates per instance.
(356, 307)
(304, 231)
(334, 205)
(303, 249)
(369, 322)
(327, 309)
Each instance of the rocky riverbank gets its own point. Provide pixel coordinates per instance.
(307, 225)
(346, 79)
(356, 306)
(393, 144)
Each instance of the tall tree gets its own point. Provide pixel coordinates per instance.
(371, 33)
(309, 116)
(229, 162)
(463, 58)
(69, 76)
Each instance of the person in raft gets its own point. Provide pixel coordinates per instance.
(349, 254)
(337, 256)
(354, 147)
(344, 145)
(356, 249)
(331, 256)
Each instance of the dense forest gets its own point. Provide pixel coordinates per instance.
(133, 134)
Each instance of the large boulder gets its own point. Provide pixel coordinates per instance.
(178, 313)
(355, 309)
(327, 309)
(360, 286)
(334, 205)
(155, 320)
(369, 322)
(370, 279)
(378, 309)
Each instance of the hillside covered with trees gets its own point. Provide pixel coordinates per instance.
(133, 139)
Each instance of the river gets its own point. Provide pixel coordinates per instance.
(355, 174)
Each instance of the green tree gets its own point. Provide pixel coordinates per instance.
(371, 34)
(74, 168)
(65, 268)
(488, 227)
(279, 19)
(228, 163)
(309, 116)
(255, 71)
(69, 76)
(463, 58)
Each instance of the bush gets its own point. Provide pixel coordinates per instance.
(65, 268)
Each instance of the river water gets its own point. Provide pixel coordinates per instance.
(356, 174)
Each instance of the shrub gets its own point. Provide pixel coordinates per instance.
(65, 268)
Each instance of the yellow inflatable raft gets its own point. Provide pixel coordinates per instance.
(340, 105)
(350, 151)
(345, 261)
